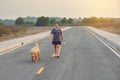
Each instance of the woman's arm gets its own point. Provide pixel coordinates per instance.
(50, 36)
(61, 36)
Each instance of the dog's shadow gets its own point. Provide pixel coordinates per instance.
(42, 60)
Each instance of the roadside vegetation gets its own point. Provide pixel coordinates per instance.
(11, 30)
(31, 25)
(107, 24)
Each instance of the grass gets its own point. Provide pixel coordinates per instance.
(11, 32)
(110, 27)
(113, 28)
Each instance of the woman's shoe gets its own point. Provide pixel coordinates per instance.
(58, 57)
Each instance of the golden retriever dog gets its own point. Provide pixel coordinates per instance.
(35, 52)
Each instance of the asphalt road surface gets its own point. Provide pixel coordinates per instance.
(83, 57)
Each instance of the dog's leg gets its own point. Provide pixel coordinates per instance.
(39, 55)
(36, 58)
(33, 58)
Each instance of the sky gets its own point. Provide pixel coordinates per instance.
(11, 9)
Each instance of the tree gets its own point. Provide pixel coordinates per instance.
(93, 19)
(52, 21)
(42, 21)
(19, 21)
(85, 20)
(1, 23)
(90, 20)
(70, 20)
(28, 23)
(64, 20)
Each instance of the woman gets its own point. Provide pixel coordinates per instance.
(56, 41)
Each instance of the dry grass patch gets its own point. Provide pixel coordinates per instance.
(11, 32)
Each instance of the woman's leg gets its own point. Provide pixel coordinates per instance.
(55, 50)
(58, 50)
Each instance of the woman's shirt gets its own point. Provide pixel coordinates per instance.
(56, 34)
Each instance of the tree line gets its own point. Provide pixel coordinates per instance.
(98, 20)
(47, 21)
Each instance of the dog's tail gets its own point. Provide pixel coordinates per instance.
(36, 44)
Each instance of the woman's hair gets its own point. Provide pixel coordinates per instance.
(56, 24)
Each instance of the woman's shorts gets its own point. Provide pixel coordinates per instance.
(56, 42)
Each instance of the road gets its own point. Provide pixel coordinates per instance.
(83, 57)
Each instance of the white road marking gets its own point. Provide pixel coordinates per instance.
(106, 44)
